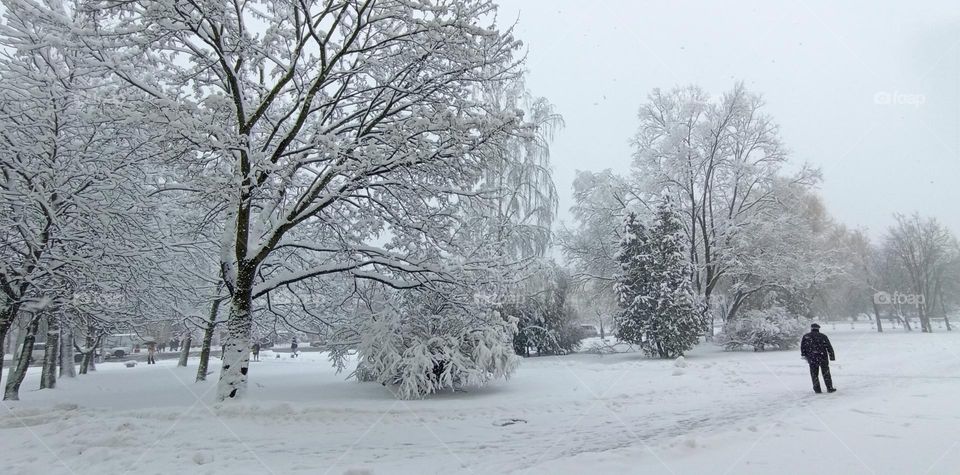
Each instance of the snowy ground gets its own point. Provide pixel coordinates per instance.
(897, 412)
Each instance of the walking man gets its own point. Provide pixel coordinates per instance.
(817, 350)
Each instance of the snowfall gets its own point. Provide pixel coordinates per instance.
(897, 411)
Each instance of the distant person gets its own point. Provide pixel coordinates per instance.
(223, 350)
(163, 346)
(256, 351)
(293, 347)
(817, 350)
(151, 353)
(173, 344)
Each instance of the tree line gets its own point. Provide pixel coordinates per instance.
(761, 250)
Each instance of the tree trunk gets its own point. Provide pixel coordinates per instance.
(707, 309)
(735, 307)
(48, 375)
(19, 370)
(3, 342)
(67, 366)
(946, 319)
(876, 312)
(89, 353)
(85, 362)
(6, 321)
(93, 353)
(922, 312)
(208, 340)
(236, 358)
(905, 320)
(185, 351)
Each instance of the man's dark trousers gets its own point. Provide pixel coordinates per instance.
(816, 367)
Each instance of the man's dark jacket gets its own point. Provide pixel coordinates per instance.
(816, 347)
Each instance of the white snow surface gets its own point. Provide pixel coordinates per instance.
(897, 412)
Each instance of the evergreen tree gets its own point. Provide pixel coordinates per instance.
(632, 285)
(658, 309)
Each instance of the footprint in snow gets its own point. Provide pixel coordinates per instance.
(509, 422)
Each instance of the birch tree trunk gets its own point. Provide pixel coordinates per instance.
(207, 341)
(19, 370)
(48, 375)
(185, 351)
(67, 366)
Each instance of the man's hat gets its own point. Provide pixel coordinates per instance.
(815, 326)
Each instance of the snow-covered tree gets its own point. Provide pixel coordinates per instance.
(786, 258)
(590, 249)
(658, 306)
(327, 127)
(69, 206)
(601, 202)
(723, 163)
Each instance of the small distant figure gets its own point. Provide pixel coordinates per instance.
(163, 347)
(817, 350)
(293, 347)
(174, 346)
(256, 351)
(151, 353)
(223, 350)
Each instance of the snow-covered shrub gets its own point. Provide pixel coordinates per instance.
(544, 329)
(418, 354)
(546, 321)
(763, 329)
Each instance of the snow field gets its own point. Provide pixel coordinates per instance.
(713, 412)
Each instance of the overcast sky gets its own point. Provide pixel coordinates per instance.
(868, 91)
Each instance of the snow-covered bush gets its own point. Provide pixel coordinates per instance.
(543, 328)
(418, 354)
(763, 329)
(546, 322)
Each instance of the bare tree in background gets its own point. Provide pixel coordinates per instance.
(926, 250)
